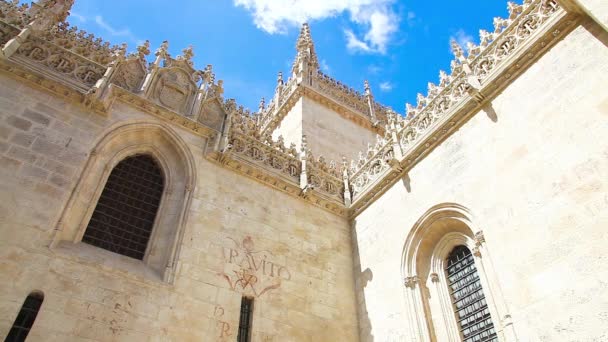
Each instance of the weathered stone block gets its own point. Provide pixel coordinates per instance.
(34, 172)
(23, 139)
(21, 154)
(36, 117)
(19, 123)
(46, 147)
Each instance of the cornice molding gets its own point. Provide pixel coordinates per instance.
(101, 75)
(438, 131)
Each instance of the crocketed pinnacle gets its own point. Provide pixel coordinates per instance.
(305, 47)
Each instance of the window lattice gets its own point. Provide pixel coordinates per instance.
(25, 319)
(245, 320)
(472, 311)
(124, 216)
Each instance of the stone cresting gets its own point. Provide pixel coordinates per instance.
(40, 47)
(244, 148)
(307, 78)
(515, 41)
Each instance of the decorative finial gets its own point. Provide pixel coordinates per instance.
(391, 115)
(143, 50)
(280, 78)
(121, 52)
(262, 105)
(456, 49)
(162, 50)
(47, 13)
(368, 91)
(410, 110)
(306, 48)
(187, 55)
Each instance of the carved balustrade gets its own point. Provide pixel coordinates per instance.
(89, 65)
(325, 177)
(466, 79)
(267, 154)
(341, 93)
(15, 14)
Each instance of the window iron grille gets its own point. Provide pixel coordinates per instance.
(245, 320)
(124, 216)
(25, 318)
(471, 309)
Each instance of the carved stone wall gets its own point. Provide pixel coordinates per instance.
(328, 133)
(240, 237)
(531, 169)
(175, 89)
(130, 75)
(212, 114)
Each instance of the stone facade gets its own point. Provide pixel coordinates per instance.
(505, 155)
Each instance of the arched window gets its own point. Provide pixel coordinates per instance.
(124, 216)
(26, 317)
(470, 307)
(451, 291)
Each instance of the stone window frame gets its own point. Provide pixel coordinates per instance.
(429, 308)
(177, 165)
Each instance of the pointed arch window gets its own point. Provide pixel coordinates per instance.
(25, 318)
(123, 219)
(470, 306)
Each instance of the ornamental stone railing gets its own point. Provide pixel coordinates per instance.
(39, 46)
(469, 75)
(340, 92)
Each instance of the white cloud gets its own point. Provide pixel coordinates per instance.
(462, 38)
(324, 66)
(375, 18)
(113, 31)
(386, 86)
(374, 69)
(355, 44)
(81, 18)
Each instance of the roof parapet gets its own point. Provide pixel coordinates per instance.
(74, 64)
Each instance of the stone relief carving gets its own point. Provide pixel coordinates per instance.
(50, 58)
(212, 114)
(174, 89)
(83, 65)
(468, 72)
(130, 75)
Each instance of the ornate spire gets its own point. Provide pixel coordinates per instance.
(47, 13)
(187, 55)
(305, 48)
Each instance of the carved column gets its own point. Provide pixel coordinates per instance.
(370, 103)
(347, 194)
(97, 91)
(303, 175)
(160, 54)
(45, 14)
(225, 139)
(398, 153)
(494, 292)
(416, 313)
(198, 101)
(13, 45)
(442, 309)
(278, 93)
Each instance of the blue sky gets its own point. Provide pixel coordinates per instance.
(399, 46)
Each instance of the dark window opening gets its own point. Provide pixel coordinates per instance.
(245, 320)
(124, 216)
(472, 313)
(26, 317)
